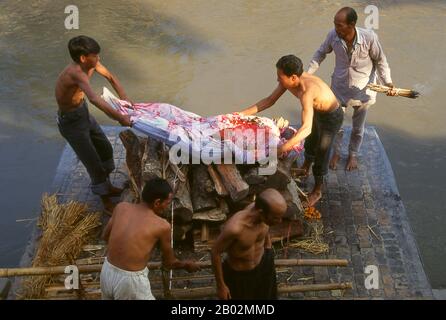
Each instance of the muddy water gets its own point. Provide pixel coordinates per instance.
(213, 57)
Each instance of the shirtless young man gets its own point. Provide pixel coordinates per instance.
(249, 271)
(321, 117)
(75, 123)
(131, 234)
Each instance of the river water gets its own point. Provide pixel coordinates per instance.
(213, 57)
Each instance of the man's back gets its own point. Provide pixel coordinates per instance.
(134, 232)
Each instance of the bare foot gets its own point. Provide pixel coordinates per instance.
(313, 198)
(334, 161)
(352, 163)
(115, 192)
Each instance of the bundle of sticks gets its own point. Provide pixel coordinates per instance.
(407, 93)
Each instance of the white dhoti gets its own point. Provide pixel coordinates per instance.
(118, 284)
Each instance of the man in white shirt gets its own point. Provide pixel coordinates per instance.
(359, 61)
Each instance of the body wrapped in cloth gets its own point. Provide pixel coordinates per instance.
(249, 139)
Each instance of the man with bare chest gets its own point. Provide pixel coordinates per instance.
(131, 235)
(248, 271)
(76, 124)
(321, 117)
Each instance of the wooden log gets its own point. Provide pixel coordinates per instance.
(295, 208)
(202, 189)
(155, 163)
(35, 271)
(252, 177)
(232, 180)
(282, 177)
(204, 232)
(218, 183)
(180, 232)
(151, 165)
(215, 215)
(182, 203)
(133, 157)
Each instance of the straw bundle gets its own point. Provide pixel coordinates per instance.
(407, 93)
(66, 228)
(314, 244)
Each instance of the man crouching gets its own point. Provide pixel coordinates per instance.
(131, 234)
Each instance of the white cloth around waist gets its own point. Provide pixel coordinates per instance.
(119, 284)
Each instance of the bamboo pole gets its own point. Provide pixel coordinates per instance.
(207, 292)
(34, 271)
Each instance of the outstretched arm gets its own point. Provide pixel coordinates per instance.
(224, 241)
(264, 103)
(81, 79)
(307, 123)
(107, 230)
(321, 53)
(169, 259)
(103, 71)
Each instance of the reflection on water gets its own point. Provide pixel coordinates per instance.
(212, 57)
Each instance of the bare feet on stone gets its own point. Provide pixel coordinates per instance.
(334, 161)
(352, 163)
(313, 198)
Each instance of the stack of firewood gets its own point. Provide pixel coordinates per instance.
(206, 195)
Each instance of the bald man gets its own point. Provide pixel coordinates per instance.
(248, 272)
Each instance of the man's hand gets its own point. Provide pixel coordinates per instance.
(392, 92)
(281, 152)
(223, 292)
(191, 266)
(125, 121)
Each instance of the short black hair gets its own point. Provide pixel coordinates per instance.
(82, 45)
(156, 188)
(290, 65)
(351, 15)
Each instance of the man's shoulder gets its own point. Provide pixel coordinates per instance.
(366, 34)
(332, 35)
(235, 224)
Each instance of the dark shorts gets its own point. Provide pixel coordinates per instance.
(90, 144)
(259, 283)
(318, 144)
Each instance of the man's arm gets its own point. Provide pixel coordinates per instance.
(169, 259)
(107, 230)
(224, 241)
(268, 242)
(81, 79)
(306, 127)
(380, 61)
(320, 54)
(264, 103)
(103, 71)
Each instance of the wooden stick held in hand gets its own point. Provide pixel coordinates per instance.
(399, 92)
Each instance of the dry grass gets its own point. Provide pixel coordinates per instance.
(314, 243)
(66, 228)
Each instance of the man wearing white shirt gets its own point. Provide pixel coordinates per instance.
(359, 61)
